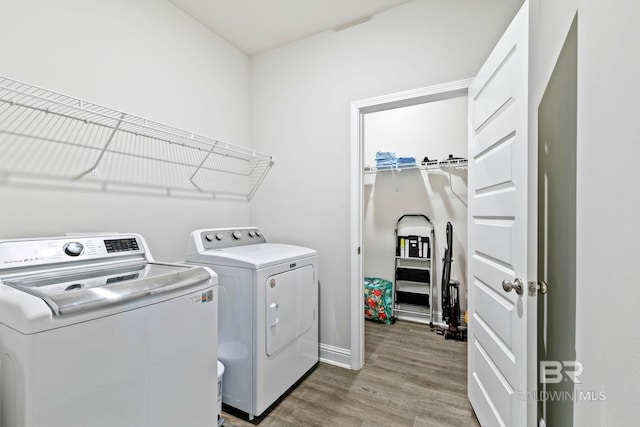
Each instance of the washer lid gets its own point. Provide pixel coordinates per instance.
(102, 286)
(252, 256)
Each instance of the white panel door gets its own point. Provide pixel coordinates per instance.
(501, 357)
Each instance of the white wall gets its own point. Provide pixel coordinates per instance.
(608, 200)
(300, 113)
(434, 129)
(144, 57)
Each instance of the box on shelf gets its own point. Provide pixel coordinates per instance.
(413, 247)
(412, 274)
(413, 298)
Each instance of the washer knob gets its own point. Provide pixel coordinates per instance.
(219, 236)
(209, 237)
(236, 235)
(252, 233)
(73, 248)
(258, 233)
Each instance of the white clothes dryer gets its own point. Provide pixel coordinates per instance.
(94, 332)
(267, 315)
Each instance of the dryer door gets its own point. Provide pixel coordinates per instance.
(290, 306)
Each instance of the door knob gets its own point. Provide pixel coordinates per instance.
(508, 286)
(539, 287)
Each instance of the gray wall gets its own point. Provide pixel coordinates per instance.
(557, 147)
(146, 58)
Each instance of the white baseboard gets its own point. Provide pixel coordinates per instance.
(335, 356)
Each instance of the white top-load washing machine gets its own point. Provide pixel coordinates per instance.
(268, 315)
(93, 333)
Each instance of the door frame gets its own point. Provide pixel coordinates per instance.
(408, 98)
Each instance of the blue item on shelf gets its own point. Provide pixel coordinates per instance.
(385, 155)
(385, 160)
(404, 162)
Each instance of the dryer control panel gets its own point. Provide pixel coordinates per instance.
(218, 238)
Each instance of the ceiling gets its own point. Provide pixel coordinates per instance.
(254, 26)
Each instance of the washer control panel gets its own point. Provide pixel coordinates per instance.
(40, 251)
(218, 238)
(73, 248)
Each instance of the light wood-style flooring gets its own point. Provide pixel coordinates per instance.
(412, 377)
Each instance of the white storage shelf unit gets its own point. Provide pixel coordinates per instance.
(47, 135)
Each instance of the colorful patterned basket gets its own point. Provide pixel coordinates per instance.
(378, 300)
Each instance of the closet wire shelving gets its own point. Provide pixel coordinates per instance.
(55, 137)
(446, 167)
(424, 166)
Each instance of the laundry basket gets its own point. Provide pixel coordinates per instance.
(378, 300)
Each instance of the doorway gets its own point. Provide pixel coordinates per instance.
(359, 112)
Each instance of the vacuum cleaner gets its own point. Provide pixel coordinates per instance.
(450, 296)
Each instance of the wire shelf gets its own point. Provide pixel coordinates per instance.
(424, 166)
(44, 134)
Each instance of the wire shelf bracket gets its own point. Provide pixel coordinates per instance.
(55, 137)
